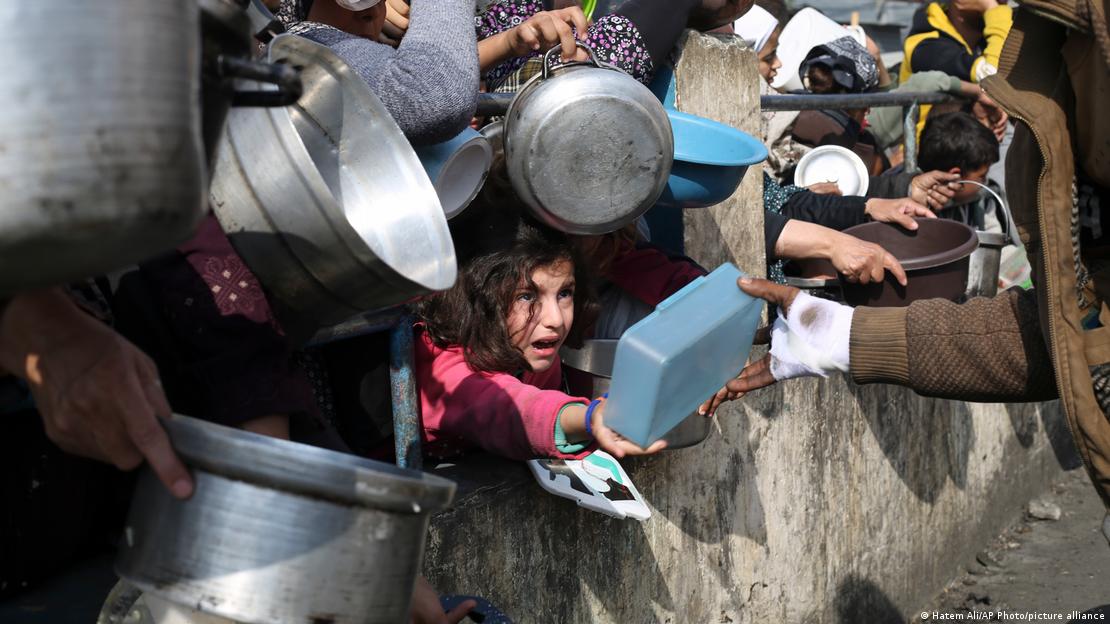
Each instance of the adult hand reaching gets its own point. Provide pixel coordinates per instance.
(810, 338)
(99, 396)
(934, 188)
(899, 211)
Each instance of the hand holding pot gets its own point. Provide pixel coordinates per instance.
(99, 396)
(551, 28)
(808, 339)
(863, 262)
(426, 607)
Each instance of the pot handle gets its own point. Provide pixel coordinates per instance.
(287, 79)
(1006, 220)
(589, 50)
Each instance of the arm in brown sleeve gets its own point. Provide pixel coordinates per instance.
(989, 350)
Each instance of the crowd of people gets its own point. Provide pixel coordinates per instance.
(88, 369)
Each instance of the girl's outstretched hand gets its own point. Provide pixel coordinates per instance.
(614, 443)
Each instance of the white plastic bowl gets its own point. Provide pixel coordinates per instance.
(832, 163)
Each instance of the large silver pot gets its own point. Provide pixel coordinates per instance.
(280, 532)
(326, 201)
(596, 358)
(588, 148)
(101, 161)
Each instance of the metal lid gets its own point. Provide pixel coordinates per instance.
(307, 470)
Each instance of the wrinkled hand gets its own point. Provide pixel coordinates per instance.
(547, 29)
(825, 188)
(934, 188)
(614, 443)
(99, 396)
(863, 262)
(899, 211)
(756, 374)
(426, 608)
(396, 22)
(990, 115)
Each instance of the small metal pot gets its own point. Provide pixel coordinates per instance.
(588, 148)
(101, 160)
(596, 358)
(326, 201)
(280, 532)
(983, 267)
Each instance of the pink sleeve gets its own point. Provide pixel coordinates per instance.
(497, 412)
(651, 276)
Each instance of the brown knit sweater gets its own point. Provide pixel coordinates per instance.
(989, 350)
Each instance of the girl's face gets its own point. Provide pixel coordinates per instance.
(541, 316)
(769, 62)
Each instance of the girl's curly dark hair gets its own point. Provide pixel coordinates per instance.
(498, 249)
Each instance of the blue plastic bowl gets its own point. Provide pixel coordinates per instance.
(710, 159)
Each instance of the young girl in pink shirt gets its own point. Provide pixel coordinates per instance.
(487, 351)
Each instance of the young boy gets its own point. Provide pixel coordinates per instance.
(959, 143)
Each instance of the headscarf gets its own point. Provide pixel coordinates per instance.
(756, 27)
(851, 65)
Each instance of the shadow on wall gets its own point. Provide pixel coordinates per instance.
(1055, 428)
(926, 441)
(859, 600)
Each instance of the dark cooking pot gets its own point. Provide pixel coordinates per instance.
(935, 258)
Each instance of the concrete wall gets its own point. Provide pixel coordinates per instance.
(817, 500)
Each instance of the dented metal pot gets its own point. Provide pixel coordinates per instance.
(280, 532)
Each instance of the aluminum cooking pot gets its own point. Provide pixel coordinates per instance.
(280, 532)
(588, 148)
(326, 201)
(101, 160)
(983, 267)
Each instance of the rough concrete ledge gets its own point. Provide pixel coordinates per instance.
(816, 501)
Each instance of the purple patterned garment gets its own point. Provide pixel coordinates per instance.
(614, 38)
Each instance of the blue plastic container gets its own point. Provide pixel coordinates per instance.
(678, 356)
(710, 159)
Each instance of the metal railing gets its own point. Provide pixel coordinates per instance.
(496, 104)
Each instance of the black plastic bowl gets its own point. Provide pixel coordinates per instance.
(935, 258)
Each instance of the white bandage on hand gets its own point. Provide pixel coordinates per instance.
(813, 340)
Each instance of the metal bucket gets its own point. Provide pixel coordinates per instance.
(983, 268)
(596, 357)
(280, 532)
(326, 201)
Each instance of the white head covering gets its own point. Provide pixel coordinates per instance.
(356, 5)
(755, 27)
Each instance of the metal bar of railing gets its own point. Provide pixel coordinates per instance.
(359, 326)
(496, 104)
(406, 403)
(911, 114)
(809, 101)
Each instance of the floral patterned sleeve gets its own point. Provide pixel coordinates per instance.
(503, 15)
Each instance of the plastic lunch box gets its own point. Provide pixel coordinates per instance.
(674, 359)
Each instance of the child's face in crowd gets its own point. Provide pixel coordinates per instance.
(541, 317)
(769, 62)
(968, 192)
